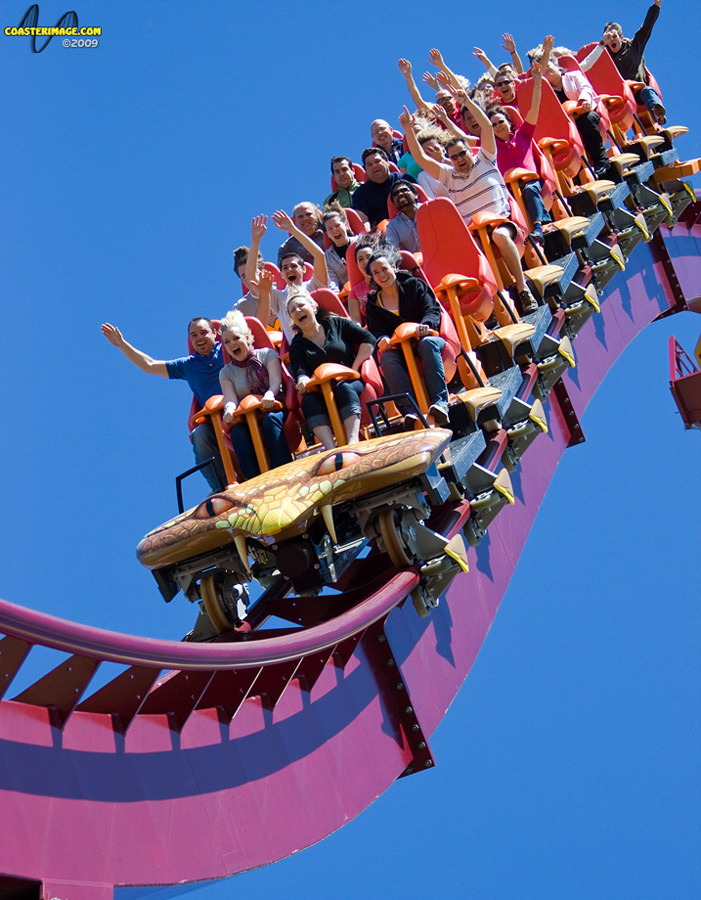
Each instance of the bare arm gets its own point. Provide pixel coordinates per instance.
(231, 400)
(258, 229)
(485, 60)
(285, 223)
(275, 375)
(509, 44)
(140, 359)
(487, 139)
(452, 127)
(405, 69)
(430, 79)
(532, 116)
(547, 50)
(263, 283)
(427, 164)
(438, 61)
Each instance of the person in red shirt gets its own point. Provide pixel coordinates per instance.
(515, 149)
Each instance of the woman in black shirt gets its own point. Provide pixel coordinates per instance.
(398, 298)
(327, 339)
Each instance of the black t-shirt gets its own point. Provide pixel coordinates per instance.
(371, 198)
(342, 339)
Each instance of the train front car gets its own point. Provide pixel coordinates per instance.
(301, 526)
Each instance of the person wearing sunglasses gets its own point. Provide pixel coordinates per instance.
(475, 184)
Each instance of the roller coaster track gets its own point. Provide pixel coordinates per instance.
(158, 777)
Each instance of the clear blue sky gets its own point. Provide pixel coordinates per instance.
(568, 765)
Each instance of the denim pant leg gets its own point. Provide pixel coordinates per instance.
(397, 378)
(314, 409)
(429, 352)
(347, 394)
(274, 438)
(204, 446)
(647, 96)
(588, 127)
(242, 443)
(533, 201)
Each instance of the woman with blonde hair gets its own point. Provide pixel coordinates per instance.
(257, 372)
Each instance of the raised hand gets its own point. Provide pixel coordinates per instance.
(436, 58)
(405, 67)
(480, 54)
(430, 79)
(536, 71)
(460, 95)
(442, 79)
(113, 334)
(548, 43)
(283, 221)
(262, 281)
(439, 113)
(406, 119)
(509, 44)
(265, 281)
(259, 227)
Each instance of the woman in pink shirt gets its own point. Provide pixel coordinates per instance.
(515, 150)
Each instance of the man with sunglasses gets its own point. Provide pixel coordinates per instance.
(475, 185)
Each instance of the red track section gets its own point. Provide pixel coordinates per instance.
(261, 748)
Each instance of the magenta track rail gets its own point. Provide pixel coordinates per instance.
(177, 769)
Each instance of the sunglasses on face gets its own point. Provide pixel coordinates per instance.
(503, 83)
(459, 155)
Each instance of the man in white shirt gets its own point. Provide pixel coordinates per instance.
(475, 184)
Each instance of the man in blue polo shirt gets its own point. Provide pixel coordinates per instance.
(200, 370)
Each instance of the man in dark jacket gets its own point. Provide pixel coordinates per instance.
(628, 57)
(371, 198)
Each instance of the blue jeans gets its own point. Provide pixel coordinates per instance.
(271, 426)
(648, 96)
(533, 201)
(396, 375)
(204, 446)
(347, 394)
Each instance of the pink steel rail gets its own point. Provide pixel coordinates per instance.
(150, 781)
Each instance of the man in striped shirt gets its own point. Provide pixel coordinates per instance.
(474, 184)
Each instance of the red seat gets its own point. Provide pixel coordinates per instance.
(449, 248)
(617, 93)
(556, 134)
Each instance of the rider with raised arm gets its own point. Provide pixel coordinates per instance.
(475, 185)
(291, 265)
(628, 56)
(307, 218)
(515, 147)
(508, 44)
(200, 370)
